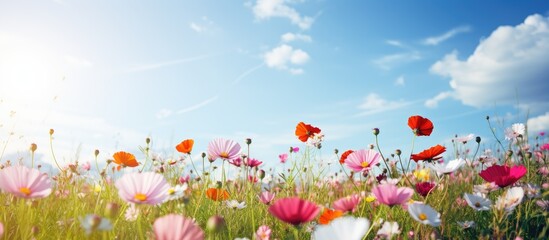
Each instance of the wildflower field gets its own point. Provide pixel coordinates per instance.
(460, 191)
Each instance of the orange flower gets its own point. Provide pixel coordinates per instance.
(217, 194)
(124, 159)
(185, 147)
(305, 131)
(429, 154)
(344, 156)
(328, 215)
(420, 125)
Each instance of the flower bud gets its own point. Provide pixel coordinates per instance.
(96, 152)
(477, 139)
(33, 147)
(375, 131)
(111, 209)
(398, 152)
(336, 151)
(248, 141)
(215, 223)
(203, 154)
(51, 131)
(35, 230)
(147, 140)
(261, 174)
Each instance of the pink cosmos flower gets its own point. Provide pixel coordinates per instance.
(185, 179)
(294, 149)
(543, 171)
(252, 162)
(283, 157)
(252, 179)
(266, 197)
(148, 187)
(391, 195)
(347, 204)
(86, 166)
(503, 175)
(544, 147)
(237, 162)
(294, 210)
(175, 226)
(25, 182)
(362, 160)
(224, 149)
(263, 233)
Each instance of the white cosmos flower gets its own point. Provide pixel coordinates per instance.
(514, 131)
(389, 180)
(235, 204)
(464, 139)
(466, 224)
(510, 200)
(424, 214)
(388, 230)
(348, 228)
(531, 190)
(477, 201)
(448, 167)
(177, 192)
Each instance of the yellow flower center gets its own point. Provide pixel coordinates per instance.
(422, 217)
(364, 164)
(140, 197)
(171, 191)
(25, 190)
(224, 155)
(370, 198)
(97, 188)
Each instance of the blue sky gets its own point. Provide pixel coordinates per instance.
(106, 75)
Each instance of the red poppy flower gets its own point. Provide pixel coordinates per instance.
(328, 215)
(186, 146)
(217, 194)
(424, 188)
(420, 125)
(503, 176)
(124, 159)
(344, 156)
(429, 154)
(305, 131)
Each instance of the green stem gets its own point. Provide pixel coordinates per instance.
(383, 158)
(53, 154)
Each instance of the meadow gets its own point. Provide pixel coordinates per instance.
(458, 191)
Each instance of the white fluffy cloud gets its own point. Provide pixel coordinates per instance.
(539, 123)
(389, 61)
(290, 37)
(374, 103)
(400, 81)
(447, 35)
(265, 9)
(197, 28)
(284, 57)
(511, 63)
(433, 102)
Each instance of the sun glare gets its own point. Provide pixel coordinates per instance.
(29, 71)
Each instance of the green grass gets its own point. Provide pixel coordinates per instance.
(57, 217)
